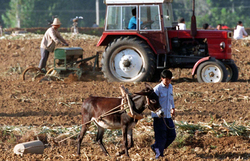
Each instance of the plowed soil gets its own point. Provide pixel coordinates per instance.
(58, 103)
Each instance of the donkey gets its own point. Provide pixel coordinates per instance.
(94, 107)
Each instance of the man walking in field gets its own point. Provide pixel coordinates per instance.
(164, 127)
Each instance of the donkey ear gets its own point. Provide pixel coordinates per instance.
(141, 93)
(149, 88)
(145, 91)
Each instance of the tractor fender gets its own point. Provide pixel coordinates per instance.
(199, 62)
(107, 37)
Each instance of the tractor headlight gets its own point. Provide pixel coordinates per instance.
(230, 34)
(222, 45)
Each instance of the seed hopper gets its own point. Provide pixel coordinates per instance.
(67, 60)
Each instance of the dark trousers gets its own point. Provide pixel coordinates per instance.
(44, 58)
(164, 135)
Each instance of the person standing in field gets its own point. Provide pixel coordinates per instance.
(181, 24)
(164, 127)
(239, 31)
(218, 27)
(205, 26)
(1, 30)
(50, 39)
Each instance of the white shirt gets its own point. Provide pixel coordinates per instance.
(239, 32)
(182, 26)
(166, 99)
(50, 39)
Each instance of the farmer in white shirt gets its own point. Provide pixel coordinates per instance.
(50, 39)
(181, 24)
(240, 32)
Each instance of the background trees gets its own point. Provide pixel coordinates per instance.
(214, 12)
(35, 13)
(20, 12)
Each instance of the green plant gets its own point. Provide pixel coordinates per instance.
(16, 69)
(38, 31)
(180, 140)
(213, 146)
(12, 139)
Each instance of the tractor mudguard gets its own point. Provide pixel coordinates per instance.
(107, 36)
(199, 62)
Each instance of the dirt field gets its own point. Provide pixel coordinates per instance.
(33, 105)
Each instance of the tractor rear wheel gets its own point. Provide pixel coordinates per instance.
(232, 72)
(211, 72)
(128, 59)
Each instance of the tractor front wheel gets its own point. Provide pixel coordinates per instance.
(232, 72)
(211, 72)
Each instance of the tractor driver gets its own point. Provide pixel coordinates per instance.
(50, 39)
(132, 21)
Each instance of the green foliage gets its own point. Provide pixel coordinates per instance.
(19, 12)
(213, 147)
(35, 13)
(3, 6)
(227, 14)
(7, 136)
(213, 12)
(180, 140)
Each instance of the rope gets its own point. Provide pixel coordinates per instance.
(110, 111)
(68, 137)
(109, 114)
(167, 125)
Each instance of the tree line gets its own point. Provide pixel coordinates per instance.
(214, 12)
(37, 13)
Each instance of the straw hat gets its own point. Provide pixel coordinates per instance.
(56, 21)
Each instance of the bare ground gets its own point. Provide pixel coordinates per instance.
(58, 103)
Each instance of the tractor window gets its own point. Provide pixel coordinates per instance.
(167, 14)
(118, 17)
(150, 17)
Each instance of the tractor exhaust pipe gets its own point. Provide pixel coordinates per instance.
(193, 22)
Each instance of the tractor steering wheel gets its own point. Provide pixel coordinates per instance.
(147, 24)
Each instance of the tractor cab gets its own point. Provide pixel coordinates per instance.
(147, 16)
(151, 19)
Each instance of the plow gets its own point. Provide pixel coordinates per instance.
(67, 61)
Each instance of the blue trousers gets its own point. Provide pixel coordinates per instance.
(44, 58)
(164, 135)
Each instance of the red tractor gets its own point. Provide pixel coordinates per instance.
(155, 43)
